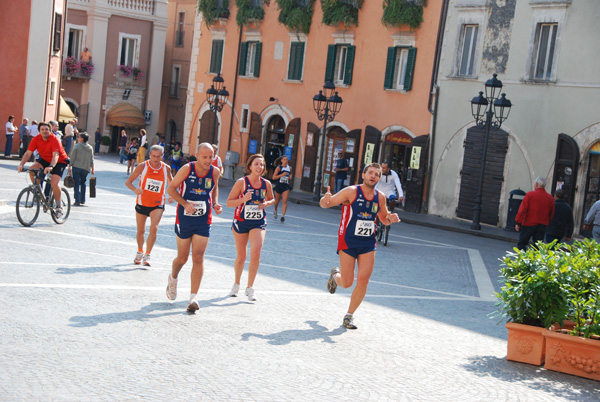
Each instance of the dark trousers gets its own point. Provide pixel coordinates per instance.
(8, 148)
(527, 232)
(23, 149)
(80, 177)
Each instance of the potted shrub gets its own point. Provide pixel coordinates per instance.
(104, 144)
(532, 298)
(577, 351)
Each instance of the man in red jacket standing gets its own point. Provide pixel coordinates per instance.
(535, 213)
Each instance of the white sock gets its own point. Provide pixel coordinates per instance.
(348, 315)
(193, 296)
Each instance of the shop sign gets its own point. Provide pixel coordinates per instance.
(398, 138)
(415, 158)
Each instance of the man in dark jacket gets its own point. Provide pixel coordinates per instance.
(561, 224)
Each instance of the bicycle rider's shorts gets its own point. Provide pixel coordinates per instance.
(57, 170)
(356, 251)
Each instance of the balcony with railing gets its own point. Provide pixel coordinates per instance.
(75, 68)
(143, 7)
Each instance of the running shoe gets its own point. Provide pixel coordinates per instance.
(282, 219)
(138, 258)
(331, 283)
(58, 212)
(250, 294)
(274, 214)
(234, 290)
(193, 306)
(146, 260)
(349, 322)
(172, 288)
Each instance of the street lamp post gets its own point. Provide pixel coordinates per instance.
(489, 105)
(327, 104)
(216, 96)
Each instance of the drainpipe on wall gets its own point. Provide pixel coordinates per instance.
(52, 19)
(434, 89)
(235, 80)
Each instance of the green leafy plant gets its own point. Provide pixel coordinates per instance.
(249, 10)
(105, 140)
(583, 287)
(337, 11)
(532, 292)
(547, 284)
(212, 10)
(403, 12)
(296, 14)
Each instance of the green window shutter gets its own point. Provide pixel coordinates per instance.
(389, 68)
(331, 49)
(410, 68)
(215, 56)
(257, 59)
(296, 60)
(349, 65)
(243, 58)
(299, 62)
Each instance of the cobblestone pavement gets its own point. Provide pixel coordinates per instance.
(80, 322)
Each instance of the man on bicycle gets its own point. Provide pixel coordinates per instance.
(52, 158)
(388, 184)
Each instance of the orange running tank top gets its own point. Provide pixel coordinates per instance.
(154, 184)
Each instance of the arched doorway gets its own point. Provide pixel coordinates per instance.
(209, 128)
(171, 131)
(592, 184)
(396, 151)
(275, 146)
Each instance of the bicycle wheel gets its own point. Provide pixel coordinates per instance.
(65, 203)
(28, 206)
(386, 235)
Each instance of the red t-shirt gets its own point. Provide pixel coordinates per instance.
(48, 147)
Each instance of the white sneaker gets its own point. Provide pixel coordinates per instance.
(58, 212)
(274, 214)
(193, 306)
(172, 288)
(138, 258)
(146, 261)
(234, 290)
(250, 294)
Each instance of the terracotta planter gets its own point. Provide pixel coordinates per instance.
(526, 344)
(572, 354)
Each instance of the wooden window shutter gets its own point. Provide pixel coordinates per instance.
(349, 64)
(389, 68)
(296, 60)
(243, 58)
(410, 68)
(331, 49)
(257, 59)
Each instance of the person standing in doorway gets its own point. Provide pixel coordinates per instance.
(154, 176)
(141, 155)
(70, 133)
(195, 189)
(593, 218)
(97, 140)
(82, 163)
(561, 224)
(10, 132)
(282, 176)
(249, 196)
(356, 235)
(341, 172)
(123, 147)
(24, 137)
(535, 213)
